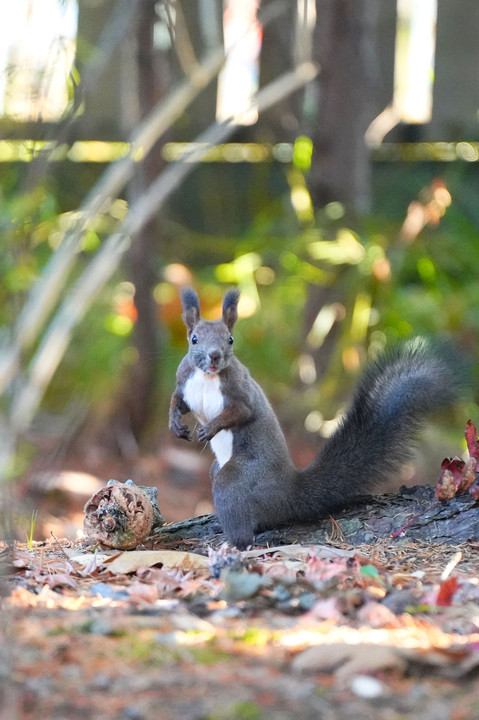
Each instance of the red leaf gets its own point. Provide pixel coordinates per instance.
(447, 591)
(472, 441)
(455, 465)
(468, 477)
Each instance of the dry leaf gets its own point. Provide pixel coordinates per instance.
(129, 562)
(346, 660)
(141, 593)
(377, 615)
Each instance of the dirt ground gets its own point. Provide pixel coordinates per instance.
(371, 632)
(388, 631)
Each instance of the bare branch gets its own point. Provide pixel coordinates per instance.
(48, 287)
(58, 335)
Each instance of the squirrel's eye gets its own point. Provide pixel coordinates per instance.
(194, 339)
(231, 340)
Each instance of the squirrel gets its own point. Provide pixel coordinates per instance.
(256, 486)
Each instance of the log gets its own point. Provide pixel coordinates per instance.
(412, 513)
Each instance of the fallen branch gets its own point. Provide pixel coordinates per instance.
(412, 511)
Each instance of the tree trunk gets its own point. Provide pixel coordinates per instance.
(133, 412)
(340, 171)
(344, 49)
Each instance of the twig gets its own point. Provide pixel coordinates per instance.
(413, 519)
(57, 543)
(451, 565)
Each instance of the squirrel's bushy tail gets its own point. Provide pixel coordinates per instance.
(377, 433)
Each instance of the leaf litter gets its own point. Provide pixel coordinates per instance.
(270, 632)
(306, 611)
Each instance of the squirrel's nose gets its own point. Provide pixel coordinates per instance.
(214, 355)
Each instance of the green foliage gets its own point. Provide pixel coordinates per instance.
(30, 531)
(376, 286)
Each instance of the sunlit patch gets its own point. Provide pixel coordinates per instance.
(329, 426)
(119, 325)
(246, 306)
(238, 80)
(307, 369)
(314, 422)
(325, 319)
(428, 209)
(77, 482)
(37, 50)
(97, 151)
(346, 249)
(177, 274)
(414, 60)
(351, 359)
(265, 275)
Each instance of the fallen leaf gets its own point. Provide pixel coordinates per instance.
(319, 569)
(377, 615)
(369, 571)
(301, 552)
(60, 580)
(240, 586)
(129, 562)
(468, 477)
(326, 609)
(447, 590)
(447, 486)
(457, 476)
(90, 562)
(346, 660)
(472, 441)
(141, 593)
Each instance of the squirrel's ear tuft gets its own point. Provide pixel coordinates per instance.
(191, 307)
(230, 308)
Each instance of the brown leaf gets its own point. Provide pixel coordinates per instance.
(318, 570)
(345, 660)
(468, 477)
(129, 562)
(142, 593)
(377, 615)
(60, 580)
(447, 486)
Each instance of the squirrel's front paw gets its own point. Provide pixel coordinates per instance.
(180, 430)
(205, 433)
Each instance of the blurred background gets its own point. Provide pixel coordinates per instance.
(322, 156)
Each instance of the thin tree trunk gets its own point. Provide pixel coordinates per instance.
(340, 172)
(344, 48)
(135, 407)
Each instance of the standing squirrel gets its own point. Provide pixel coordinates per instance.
(255, 483)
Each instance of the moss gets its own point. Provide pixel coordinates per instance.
(207, 654)
(255, 636)
(241, 710)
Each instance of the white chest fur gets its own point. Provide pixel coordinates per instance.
(202, 394)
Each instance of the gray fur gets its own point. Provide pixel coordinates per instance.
(259, 486)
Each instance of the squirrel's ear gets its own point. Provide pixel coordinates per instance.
(191, 307)
(230, 308)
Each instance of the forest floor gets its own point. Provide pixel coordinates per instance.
(388, 630)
